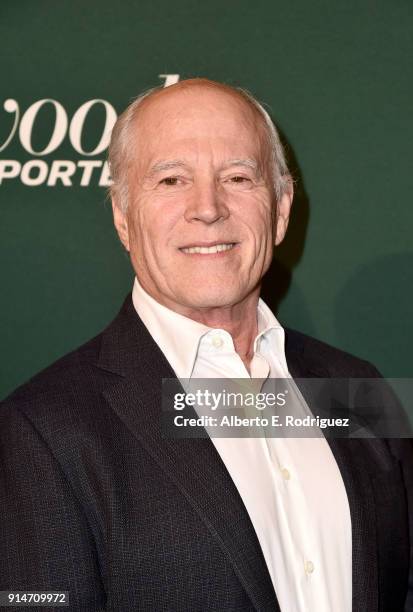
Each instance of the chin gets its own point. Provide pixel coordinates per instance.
(212, 299)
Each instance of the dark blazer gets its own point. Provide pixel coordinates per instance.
(95, 501)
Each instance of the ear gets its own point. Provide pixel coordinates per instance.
(283, 212)
(121, 223)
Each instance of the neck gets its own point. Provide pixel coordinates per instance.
(239, 320)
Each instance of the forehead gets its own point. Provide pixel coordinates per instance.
(198, 117)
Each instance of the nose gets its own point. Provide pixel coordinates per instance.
(206, 204)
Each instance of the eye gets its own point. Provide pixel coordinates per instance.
(169, 181)
(239, 179)
(239, 182)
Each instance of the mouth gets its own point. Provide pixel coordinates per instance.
(208, 249)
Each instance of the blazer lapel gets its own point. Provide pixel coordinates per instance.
(193, 464)
(352, 457)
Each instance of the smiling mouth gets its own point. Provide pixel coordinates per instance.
(207, 250)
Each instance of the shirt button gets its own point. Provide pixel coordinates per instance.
(309, 567)
(286, 474)
(217, 341)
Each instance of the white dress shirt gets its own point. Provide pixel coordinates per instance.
(291, 487)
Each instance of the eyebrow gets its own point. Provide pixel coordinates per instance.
(163, 165)
(249, 163)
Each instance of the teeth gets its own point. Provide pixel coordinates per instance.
(213, 249)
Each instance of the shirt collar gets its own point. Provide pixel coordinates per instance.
(271, 332)
(178, 337)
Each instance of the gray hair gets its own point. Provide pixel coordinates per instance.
(121, 148)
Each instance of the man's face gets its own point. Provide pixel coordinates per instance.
(200, 225)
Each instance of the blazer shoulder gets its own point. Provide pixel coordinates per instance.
(73, 384)
(60, 380)
(336, 362)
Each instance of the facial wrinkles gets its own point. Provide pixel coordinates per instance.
(261, 247)
(237, 225)
(204, 142)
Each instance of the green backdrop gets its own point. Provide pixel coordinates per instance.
(337, 77)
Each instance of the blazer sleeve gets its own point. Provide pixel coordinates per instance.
(402, 449)
(45, 540)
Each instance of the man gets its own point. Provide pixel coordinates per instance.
(97, 502)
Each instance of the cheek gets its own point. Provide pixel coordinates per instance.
(151, 228)
(258, 218)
